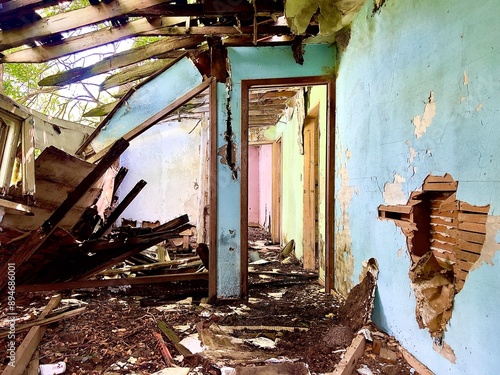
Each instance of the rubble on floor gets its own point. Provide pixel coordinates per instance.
(288, 325)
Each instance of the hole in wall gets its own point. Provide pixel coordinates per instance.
(445, 238)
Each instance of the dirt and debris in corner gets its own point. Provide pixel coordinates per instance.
(115, 333)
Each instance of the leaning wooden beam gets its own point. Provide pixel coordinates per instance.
(120, 208)
(112, 282)
(90, 40)
(16, 207)
(120, 60)
(347, 365)
(31, 341)
(159, 116)
(72, 20)
(134, 73)
(15, 7)
(45, 321)
(38, 237)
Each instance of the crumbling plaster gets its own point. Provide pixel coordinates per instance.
(396, 57)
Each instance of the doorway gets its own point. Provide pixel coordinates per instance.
(306, 232)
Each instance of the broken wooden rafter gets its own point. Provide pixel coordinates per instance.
(14, 207)
(156, 117)
(71, 20)
(213, 8)
(45, 321)
(31, 340)
(119, 209)
(37, 237)
(146, 280)
(121, 60)
(90, 40)
(147, 267)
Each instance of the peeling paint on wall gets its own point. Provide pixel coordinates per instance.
(344, 261)
(393, 191)
(466, 78)
(447, 240)
(491, 243)
(421, 123)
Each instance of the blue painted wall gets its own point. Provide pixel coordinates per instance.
(148, 100)
(249, 63)
(395, 59)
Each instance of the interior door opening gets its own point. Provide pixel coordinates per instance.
(287, 170)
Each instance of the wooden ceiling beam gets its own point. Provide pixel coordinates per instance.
(90, 40)
(71, 20)
(141, 27)
(121, 60)
(17, 7)
(213, 8)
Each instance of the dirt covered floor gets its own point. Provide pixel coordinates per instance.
(287, 318)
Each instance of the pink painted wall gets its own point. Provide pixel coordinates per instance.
(253, 184)
(265, 185)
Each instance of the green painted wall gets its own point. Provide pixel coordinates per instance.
(434, 64)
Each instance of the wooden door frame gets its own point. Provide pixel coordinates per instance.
(246, 85)
(276, 193)
(309, 231)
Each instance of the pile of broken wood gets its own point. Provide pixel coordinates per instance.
(52, 257)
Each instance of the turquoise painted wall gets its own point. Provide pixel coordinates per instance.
(394, 60)
(149, 99)
(249, 63)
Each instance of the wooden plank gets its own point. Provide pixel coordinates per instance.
(16, 7)
(443, 237)
(470, 236)
(440, 186)
(443, 246)
(466, 256)
(112, 282)
(45, 321)
(464, 265)
(399, 209)
(71, 20)
(120, 60)
(28, 156)
(39, 236)
(415, 363)
(347, 365)
(212, 192)
(213, 8)
(30, 343)
(139, 129)
(472, 218)
(439, 220)
(119, 209)
(473, 227)
(443, 213)
(309, 198)
(466, 207)
(470, 246)
(15, 207)
(460, 274)
(443, 255)
(89, 40)
(438, 179)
